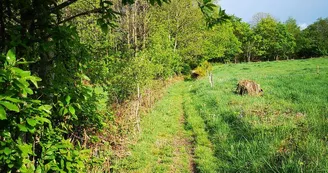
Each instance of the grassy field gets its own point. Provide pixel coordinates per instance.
(196, 128)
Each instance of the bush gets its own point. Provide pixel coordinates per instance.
(29, 138)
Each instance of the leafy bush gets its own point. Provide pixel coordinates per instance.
(29, 141)
(202, 70)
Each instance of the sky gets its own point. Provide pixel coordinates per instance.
(305, 12)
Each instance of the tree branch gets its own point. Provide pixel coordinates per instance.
(62, 5)
(97, 10)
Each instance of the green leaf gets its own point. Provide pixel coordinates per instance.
(65, 111)
(29, 90)
(14, 100)
(22, 127)
(21, 72)
(78, 105)
(21, 83)
(38, 169)
(68, 99)
(46, 108)
(10, 106)
(61, 110)
(26, 149)
(2, 113)
(7, 151)
(11, 58)
(34, 80)
(31, 122)
(85, 77)
(43, 120)
(71, 109)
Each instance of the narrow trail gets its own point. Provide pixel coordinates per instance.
(182, 142)
(164, 144)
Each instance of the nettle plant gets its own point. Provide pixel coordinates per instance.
(28, 142)
(20, 116)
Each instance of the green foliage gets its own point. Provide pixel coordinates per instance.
(221, 44)
(30, 140)
(203, 69)
(275, 40)
(213, 15)
(314, 39)
(161, 54)
(21, 118)
(159, 2)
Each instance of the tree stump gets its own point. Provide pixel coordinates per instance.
(249, 87)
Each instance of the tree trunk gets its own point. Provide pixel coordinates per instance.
(248, 56)
(2, 27)
(249, 53)
(128, 26)
(134, 24)
(144, 30)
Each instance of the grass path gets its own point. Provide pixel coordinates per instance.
(196, 128)
(164, 144)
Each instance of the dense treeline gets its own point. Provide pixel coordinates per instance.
(270, 39)
(64, 62)
(267, 39)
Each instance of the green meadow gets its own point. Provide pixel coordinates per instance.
(199, 128)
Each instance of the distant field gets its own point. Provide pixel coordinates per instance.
(285, 130)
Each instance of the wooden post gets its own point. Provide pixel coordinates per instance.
(137, 109)
(211, 79)
(318, 69)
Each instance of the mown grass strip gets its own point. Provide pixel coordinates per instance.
(163, 142)
(203, 152)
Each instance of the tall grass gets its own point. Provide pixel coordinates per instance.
(285, 130)
(216, 130)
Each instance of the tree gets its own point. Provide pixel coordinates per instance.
(258, 17)
(266, 28)
(276, 42)
(222, 45)
(285, 46)
(295, 31)
(315, 39)
(247, 37)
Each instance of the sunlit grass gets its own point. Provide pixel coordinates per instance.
(163, 143)
(285, 130)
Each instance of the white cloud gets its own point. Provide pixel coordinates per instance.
(303, 25)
